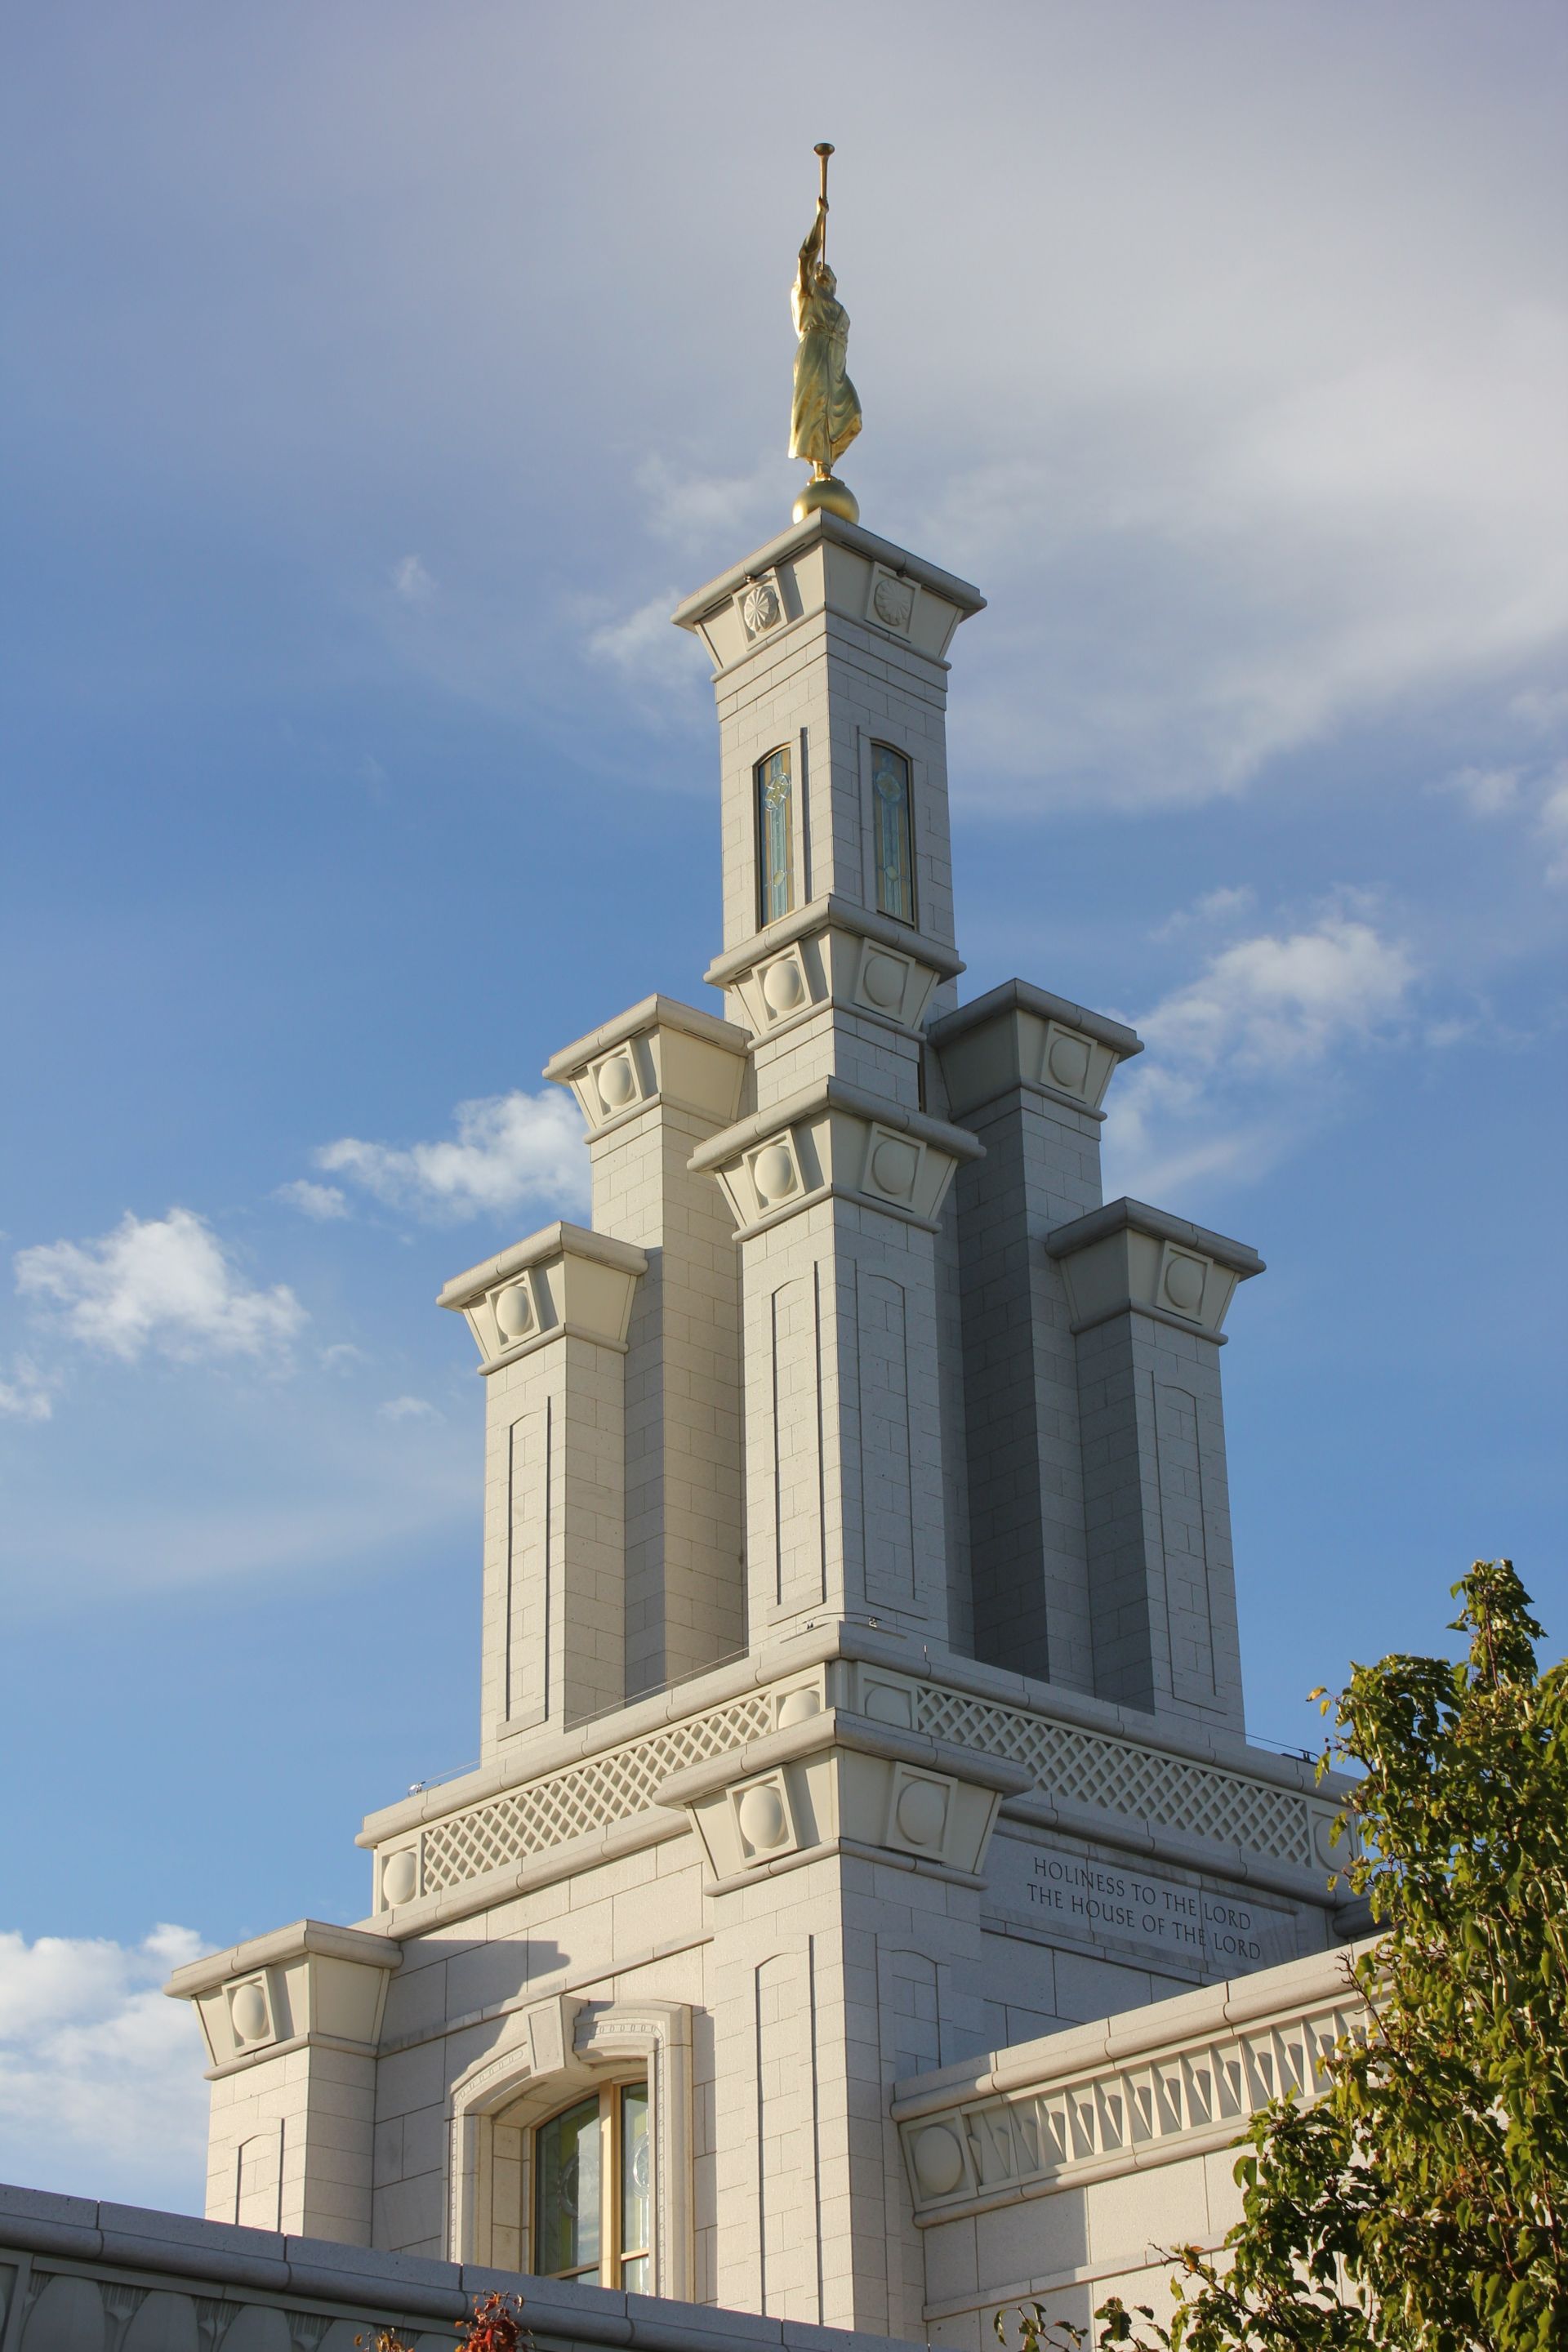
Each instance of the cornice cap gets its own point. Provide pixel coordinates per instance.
(1022, 995)
(833, 1094)
(652, 1012)
(822, 525)
(552, 1241)
(834, 912)
(1119, 1216)
(284, 1944)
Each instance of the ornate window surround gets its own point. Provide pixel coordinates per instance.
(555, 2051)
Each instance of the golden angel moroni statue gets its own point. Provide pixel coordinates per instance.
(825, 415)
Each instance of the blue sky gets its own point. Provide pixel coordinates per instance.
(381, 376)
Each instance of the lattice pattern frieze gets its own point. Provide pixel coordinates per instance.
(587, 1796)
(1083, 1768)
(975, 2149)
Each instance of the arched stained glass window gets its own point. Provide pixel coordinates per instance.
(776, 836)
(894, 844)
(593, 2190)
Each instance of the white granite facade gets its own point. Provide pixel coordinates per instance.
(860, 1693)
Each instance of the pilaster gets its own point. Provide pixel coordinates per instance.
(1027, 1072)
(291, 2021)
(837, 1196)
(654, 1085)
(551, 1318)
(1147, 1294)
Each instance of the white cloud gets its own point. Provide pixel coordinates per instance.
(699, 508)
(167, 1283)
(1552, 823)
(409, 1408)
(1486, 792)
(1242, 1059)
(1216, 911)
(101, 2076)
(509, 1149)
(412, 582)
(642, 645)
(26, 1396)
(320, 1202)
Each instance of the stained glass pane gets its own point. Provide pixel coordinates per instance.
(566, 2198)
(890, 805)
(635, 2185)
(776, 836)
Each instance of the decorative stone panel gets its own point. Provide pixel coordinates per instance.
(303, 1984)
(835, 1782)
(1128, 1255)
(659, 1050)
(561, 1282)
(834, 954)
(826, 564)
(1188, 2071)
(1019, 1035)
(832, 1139)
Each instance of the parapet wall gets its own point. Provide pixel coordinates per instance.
(80, 2276)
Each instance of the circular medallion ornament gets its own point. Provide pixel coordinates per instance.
(939, 2161)
(893, 1166)
(1068, 1062)
(617, 1083)
(798, 1706)
(247, 2008)
(514, 1314)
(1185, 1285)
(922, 1810)
(762, 610)
(883, 981)
(763, 1822)
(400, 1877)
(892, 603)
(783, 985)
(773, 1170)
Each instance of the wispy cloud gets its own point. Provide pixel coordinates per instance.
(509, 1150)
(165, 1283)
(321, 1202)
(1244, 1058)
(409, 1408)
(1534, 793)
(27, 1395)
(642, 644)
(100, 2075)
(1551, 826)
(412, 582)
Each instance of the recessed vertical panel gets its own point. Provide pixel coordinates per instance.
(800, 1571)
(1184, 1543)
(529, 1568)
(886, 1454)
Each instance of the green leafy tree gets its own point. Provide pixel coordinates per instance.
(1421, 2204)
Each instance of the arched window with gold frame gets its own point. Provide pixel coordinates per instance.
(892, 833)
(775, 835)
(593, 2190)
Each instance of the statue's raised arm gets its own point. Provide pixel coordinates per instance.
(825, 415)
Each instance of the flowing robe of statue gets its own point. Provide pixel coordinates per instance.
(825, 415)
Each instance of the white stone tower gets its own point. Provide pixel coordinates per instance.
(860, 1689)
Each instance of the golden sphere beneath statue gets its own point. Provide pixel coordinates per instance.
(828, 497)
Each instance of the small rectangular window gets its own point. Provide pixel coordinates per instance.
(776, 836)
(893, 842)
